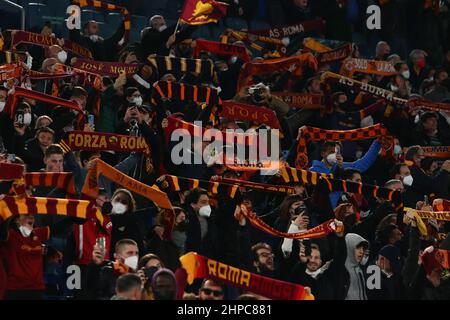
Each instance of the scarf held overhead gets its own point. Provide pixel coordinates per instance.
(245, 112)
(301, 100)
(18, 37)
(292, 30)
(377, 67)
(316, 134)
(335, 55)
(182, 92)
(221, 49)
(166, 64)
(105, 68)
(198, 266)
(91, 189)
(11, 206)
(109, 7)
(277, 65)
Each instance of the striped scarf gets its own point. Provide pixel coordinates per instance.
(213, 187)
(250, 41)
(233, 110)
(221, 49)
(442, 152)
(258, 186)
(166, 64)
(63, 180)
(11, 206)
(196, 266)
(91, 189)
(109, 7)
(316, 134)
(377, 67)
(299, 175)
(185, 92)
(277, 65)
(322, 45)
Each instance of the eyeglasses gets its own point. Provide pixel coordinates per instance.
(267, 255)
(216, 293)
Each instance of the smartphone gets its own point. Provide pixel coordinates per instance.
(149, 272)
(91, 120)
(307, 244)
(101, 243)
(425, 200)
(337, 150)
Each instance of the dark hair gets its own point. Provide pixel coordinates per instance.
(145, 259)
(411, 152)
(259, 246)
(427, 115)
(21, 106)
(79, 92)
(128, 92)
(45, 130)
(326, 145)
(349, 172)
(85, 155)
(426, 163)
(396, 169)
(194, 195)
(385, 232)
(398, 65)
(287, 203)
(53, 149)
(123, 242)
(128, 282)
(215, 282)
(132, 203)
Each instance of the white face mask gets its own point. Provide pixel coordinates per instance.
(331, 158)
(118, 208)
(132, 262)
(2, 105)
(205, 211)
(405, 74)
(25, 231)
(162, 28)
(94, 37)
(233, 59)
(138, 101)
(27, 118)
(408, 180)
(397, 149)
(62, 56)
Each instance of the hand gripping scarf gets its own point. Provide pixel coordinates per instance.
(182, 92)
(91, 189)
(110, 7)
(307, 134)
(277, 65)
(105, 68)
(377, 67)
(165, 64)
(221, 49)
(359, 86)
(11, 206)
(196, 266)
(25, 93)
(18, 37)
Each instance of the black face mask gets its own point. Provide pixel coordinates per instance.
(164, 294)
(182, 226)
(350, 220)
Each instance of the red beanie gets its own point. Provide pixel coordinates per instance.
(430, 262)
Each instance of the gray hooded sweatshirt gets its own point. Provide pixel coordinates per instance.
(357, 288)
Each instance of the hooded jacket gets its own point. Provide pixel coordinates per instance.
(357, 286)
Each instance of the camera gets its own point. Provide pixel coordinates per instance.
(307, 244)
(301, 209)
(257, 92)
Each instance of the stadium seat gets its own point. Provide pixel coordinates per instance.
(137, 24)
(113, 19)
(235, 23)
(258, 25)
(35, 12)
